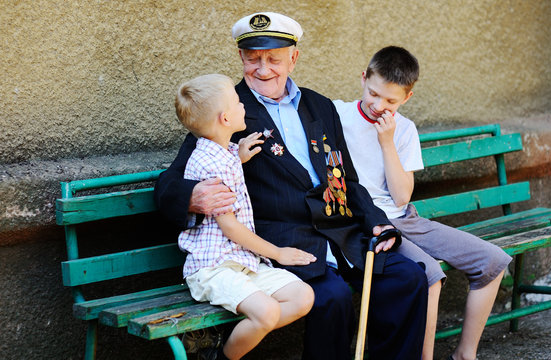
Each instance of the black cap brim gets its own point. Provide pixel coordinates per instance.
(264, 43)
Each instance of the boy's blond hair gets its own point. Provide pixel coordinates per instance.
(200, 100)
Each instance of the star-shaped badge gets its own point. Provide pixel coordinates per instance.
(277, 149)
(267, 133)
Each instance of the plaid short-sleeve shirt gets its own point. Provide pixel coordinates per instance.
(205, 244)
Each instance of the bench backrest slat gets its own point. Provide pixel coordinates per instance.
(472, 149)
(116, 265)
(82, 209)
(473, 200)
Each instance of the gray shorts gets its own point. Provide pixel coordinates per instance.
(426, 240)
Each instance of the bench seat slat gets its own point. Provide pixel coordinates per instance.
(90, 309)
(184, 319)
(119, 316)
(82, 209)
(471, 149)
(518, 243)
(473, 200)
(513, 227)
(523, 242)
(540, 213)
(116, 265)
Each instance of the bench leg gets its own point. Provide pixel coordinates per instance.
(517, 280)
(91, 340)
(177, 348)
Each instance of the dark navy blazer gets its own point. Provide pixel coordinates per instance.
(288, 209)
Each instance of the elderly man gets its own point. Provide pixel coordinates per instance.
(305, 194)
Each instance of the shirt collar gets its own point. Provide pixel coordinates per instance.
(293, 95)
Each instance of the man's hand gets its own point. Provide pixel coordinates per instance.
(383, 245)
(211, 197)
(245, 145)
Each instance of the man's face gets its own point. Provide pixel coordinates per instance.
(266, 71)
(380, 95)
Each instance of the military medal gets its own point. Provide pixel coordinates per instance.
(277, 149)
(326, 197)
(335, 192)
(315, 146)
(341, 210)
(267, 133)
(326, 148)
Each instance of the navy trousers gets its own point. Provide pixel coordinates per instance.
(397, 313)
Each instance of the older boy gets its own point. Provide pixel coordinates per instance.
(385, 149)
(227, 263)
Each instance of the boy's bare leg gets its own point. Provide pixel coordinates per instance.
(477, 309)
(295, 300)
(432, 316)
(263, 313)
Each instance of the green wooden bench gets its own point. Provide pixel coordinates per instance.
(167, 312)
(158, 313)
(515, 233)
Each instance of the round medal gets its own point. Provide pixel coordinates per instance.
(336, 172)
(328, 210)
(326, 148)
(341, 194)
(341, 210)
(316, 149)
(348, 212)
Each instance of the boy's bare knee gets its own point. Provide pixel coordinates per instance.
(266, 314)
(305, 299)
(270, 315)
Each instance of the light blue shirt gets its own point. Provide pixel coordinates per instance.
(285, 116)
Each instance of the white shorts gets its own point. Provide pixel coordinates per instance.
(229, 284)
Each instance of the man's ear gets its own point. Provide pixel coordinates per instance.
(241, 56)
(294, 57)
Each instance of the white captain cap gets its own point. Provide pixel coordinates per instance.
(266, 30)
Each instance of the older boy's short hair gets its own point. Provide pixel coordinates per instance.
(395, 65)
(200, 100)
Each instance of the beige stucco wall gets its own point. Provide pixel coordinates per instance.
(87, 87)
(96, 77)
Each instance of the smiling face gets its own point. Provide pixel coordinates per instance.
(380, 95)
(266, 71)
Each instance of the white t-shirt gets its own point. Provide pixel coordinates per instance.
(364, 148)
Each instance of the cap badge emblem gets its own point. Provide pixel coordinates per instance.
(259, 22)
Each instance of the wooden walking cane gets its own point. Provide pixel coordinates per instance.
(366, 291)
